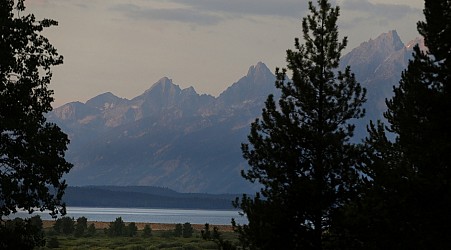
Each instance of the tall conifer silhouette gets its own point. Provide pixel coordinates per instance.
(300, 149)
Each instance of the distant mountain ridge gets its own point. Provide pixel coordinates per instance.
(166, 136)
(189, 142)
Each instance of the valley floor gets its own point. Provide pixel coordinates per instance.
(162, 238)
(155, 226)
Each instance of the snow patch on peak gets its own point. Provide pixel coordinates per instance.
(104, 101)
(107, 105)
(419, 41)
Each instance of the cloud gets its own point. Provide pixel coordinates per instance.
(358, 13)
(280, 8)
(184, 15)
(379, 11)
(211, 12)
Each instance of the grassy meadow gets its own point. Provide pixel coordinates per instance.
(162, 238)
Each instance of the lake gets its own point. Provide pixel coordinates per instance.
(150, 215)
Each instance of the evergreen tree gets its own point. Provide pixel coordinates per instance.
(31, 149)
(65, 225)
(116, 228)
(91, 230)
(217, 238)
(187, 230)
(131, 229)
(407, 203)
(178, 231)
(300, 149)
(81, 226)
(147, 231)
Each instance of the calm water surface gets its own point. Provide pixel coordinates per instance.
(214, 217)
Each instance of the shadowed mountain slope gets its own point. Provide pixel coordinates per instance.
(177, 138)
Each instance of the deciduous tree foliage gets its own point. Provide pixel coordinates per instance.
(407, 203)
(300, 149)
(31, 149)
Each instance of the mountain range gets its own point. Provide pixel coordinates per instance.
(190, 142)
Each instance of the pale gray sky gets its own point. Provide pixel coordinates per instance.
(124, 46)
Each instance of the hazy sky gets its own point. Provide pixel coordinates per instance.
(124, 46)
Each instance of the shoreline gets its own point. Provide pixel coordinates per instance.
(140, 225)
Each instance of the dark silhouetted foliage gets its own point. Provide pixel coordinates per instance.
(216, 237)
(81, 226)
(178, 231)
(53, 242)
(91, 230)
(147, 231)
(21, 234)
(187, 230)
(116, 228)
(408, 198)
(31, 150)
(131, 229)
(300, 149)
(64, 225)
(36, 221)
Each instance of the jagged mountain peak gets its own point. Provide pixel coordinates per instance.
(369, 55)
(104, 101)
(71, 111)
(257, 84)
(258, 74)
(164, 85)
(189, 91)
(392, 38)
(258, 69)
(163, 89)
(385, 43)
(104, 95)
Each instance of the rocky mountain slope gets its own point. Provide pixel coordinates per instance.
(167, 136)
(177, 138)
(378, 64)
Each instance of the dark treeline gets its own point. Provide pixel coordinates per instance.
(144, 197)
